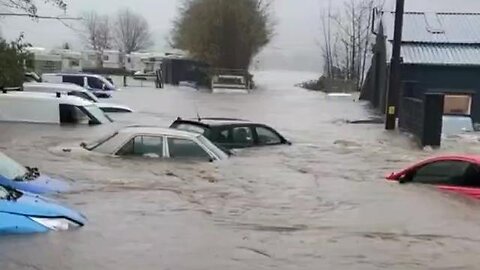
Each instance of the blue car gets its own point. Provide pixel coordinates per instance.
(25, 213)
(28, 179)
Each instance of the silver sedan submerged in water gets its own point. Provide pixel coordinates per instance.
(155, 142)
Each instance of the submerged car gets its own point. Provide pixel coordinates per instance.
(75, 90)
(456, 173)
(28, 179)
(155, 142)
(49, 108)
(232, 133)
(22, 212)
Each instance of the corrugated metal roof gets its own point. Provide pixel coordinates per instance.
(436, 27)
(441, 54)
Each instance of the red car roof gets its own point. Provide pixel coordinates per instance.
(466, 158)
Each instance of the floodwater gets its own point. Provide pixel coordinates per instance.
(321, 203)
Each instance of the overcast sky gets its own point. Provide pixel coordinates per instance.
(295, 43)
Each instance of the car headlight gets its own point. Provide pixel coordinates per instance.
(56, 224)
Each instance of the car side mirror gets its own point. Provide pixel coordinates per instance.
(104, 87)
(391, 176)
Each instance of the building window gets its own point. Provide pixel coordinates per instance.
(457, 104)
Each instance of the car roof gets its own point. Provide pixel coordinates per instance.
(73, 100)
(459, 157)
(59, 86)
(73, 74)
(215, 121)
(153, 130)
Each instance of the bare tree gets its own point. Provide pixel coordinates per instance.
(351, 29)
(97, 34)
(132, 32)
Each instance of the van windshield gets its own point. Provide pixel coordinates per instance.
(98, 84)
(85, 95)
(97, 114)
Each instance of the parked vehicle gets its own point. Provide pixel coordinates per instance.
(25, 213)
(456, 124)
(75, 90)
(229, 84)
(232, 133)
(97, 84)
(49, 108)
(157, 142)
(456, 173)
(28, 179)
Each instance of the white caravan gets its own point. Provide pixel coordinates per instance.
(49, 108)
(75, 90)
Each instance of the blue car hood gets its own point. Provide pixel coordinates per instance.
(41, 185)
(38, 206)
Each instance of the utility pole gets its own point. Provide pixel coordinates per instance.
(393, 94)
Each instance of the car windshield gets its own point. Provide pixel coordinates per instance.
(99, 142)
(10, 169)
(212, 147)
(87, 95)
(108, 85)
(98, 115)
(192, 128)
(3, 193)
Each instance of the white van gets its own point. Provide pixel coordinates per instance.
(97, 84)
(74, 90)
(49, 108)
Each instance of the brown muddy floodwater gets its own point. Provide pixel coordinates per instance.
(321, 203)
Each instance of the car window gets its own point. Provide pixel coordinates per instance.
(70, 114)
(96, 114)
(242, 135)
(444, 173)
(151, 146)
(267, 137)
(182, 148)
(78, 80)
(95, 83)
(224, 136)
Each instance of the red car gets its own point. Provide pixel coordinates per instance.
(460, 174)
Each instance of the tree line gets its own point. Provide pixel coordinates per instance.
(126, 31)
